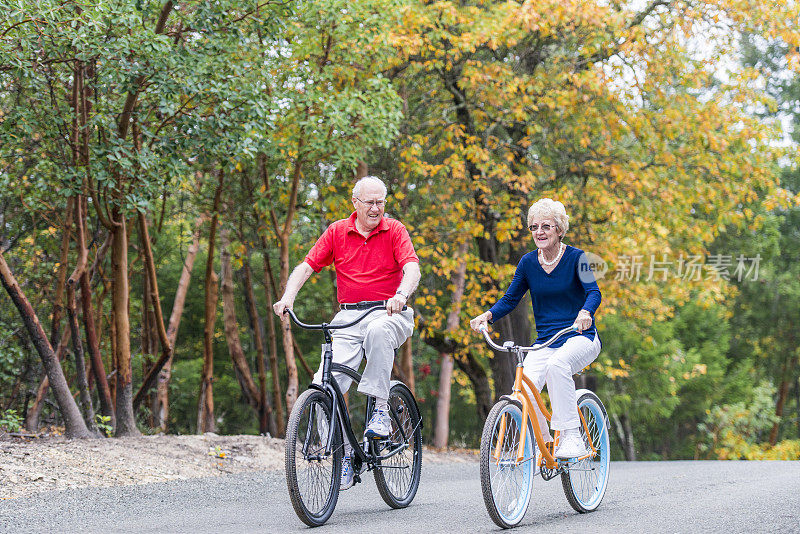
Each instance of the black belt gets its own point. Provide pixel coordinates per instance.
(363, 305)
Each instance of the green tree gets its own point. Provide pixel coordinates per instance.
(765, 311)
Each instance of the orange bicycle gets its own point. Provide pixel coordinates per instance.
(509, 461)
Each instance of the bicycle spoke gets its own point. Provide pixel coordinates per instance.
(508, 477)
(398, 474)
(506, 481)
(315, 470)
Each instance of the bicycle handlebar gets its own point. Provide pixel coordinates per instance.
(322, 326)
(509, 346)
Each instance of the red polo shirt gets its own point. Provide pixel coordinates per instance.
(368, 268)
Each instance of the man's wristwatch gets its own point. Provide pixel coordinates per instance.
(398, 292)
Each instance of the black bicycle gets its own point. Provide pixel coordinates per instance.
(314, 441)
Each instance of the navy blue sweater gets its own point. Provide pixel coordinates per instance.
(556, 297)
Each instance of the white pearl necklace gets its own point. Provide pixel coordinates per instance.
(561, 248)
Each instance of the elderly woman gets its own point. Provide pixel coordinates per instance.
(563, 293)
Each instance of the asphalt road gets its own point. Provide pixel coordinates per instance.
(651, 497)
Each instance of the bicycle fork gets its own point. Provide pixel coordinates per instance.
(523, 431)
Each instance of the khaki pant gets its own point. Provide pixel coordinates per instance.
(376, 337)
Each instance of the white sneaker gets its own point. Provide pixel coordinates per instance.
(379, 425)
(571, 446)
(347, 479)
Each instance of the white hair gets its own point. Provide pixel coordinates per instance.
(365, 180)
(546, 208)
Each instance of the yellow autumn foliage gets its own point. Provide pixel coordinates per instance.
(614, 110)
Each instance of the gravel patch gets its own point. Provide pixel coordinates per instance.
(30, 466)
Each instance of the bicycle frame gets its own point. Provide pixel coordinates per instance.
(520, 395)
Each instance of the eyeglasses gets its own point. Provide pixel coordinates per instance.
(545, 227)
(372, 203)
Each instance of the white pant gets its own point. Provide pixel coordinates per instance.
(556, 367)
(377, 336)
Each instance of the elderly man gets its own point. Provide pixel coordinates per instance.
(375, 265)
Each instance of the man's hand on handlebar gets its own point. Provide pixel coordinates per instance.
(395, 304)
(480, 322)
(281, 305)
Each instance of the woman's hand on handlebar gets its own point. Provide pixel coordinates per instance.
(582, 322)
(480, 322)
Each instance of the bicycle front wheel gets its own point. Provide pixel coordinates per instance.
(397, 477)
(585, 481)
(311, 475)
(506, 482)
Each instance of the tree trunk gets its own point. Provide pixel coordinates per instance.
(114, 361)
(283, 233)
(126, 420)
(585, 381)
(622, 427)
(407, 364)
(630, 449)
(96, 359)
(231, 326)
(480, 383)
(93, 344)
(75, 426)
(162, 406)
(112, 327)
(783, 393)
(61, 277)
(33, 413)
(148, 345)
(158, 319)
(293, 383)
(205, 407)
(266, 417)
(80, 361)
(303, 362)
(269, 288)
(441, 430)
(398, 374)
(797, 403)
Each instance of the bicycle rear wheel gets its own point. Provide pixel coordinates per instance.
(585, 481)
(312, 477)
(506, 483)
(397, 477)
